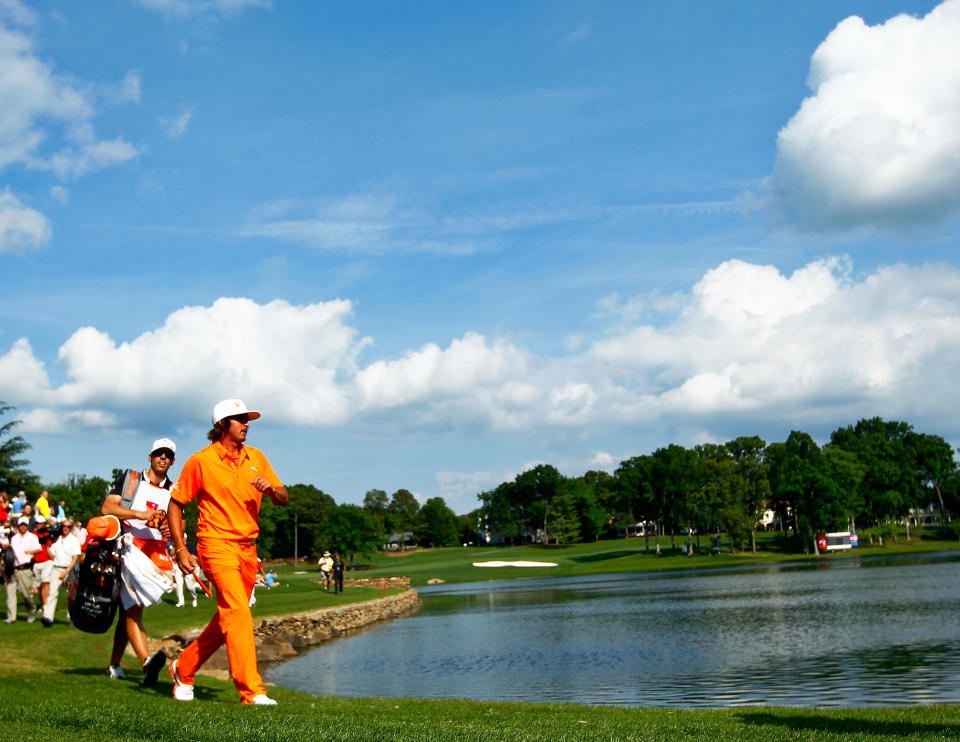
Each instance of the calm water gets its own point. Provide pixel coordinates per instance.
(853, 632)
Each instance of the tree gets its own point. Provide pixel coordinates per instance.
(935, 467)
(403, 512)
(350, 530)
(501, 513)
(890, 485)
(675, 474)
(292, 530)
(375, 502)
(14, 474)
(563, 517)
(636, 501)
(467, 526)
(534, 490)
(438, 524)
(747, 453)
(811, 483)
(589, 492)
(83, 496)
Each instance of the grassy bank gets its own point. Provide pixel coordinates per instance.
(455, 564)
(81, 706)
(52, 686)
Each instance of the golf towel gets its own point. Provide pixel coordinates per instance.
(144, 579)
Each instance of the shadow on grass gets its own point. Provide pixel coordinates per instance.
(605, 555)
(132, 682)
(841, 725)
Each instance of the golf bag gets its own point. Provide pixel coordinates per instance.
(94, 597)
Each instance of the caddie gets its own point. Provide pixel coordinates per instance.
(140, 500)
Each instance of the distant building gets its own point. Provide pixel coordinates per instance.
(398, 541)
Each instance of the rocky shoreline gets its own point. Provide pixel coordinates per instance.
(283, 637)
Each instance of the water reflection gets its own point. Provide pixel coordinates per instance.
(863, 632)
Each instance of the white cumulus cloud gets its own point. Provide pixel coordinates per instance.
(878, 141)
(21, 228)
(746, 343)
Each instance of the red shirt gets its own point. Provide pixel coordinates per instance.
(43, 556)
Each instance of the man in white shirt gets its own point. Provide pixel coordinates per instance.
(64, 554)
(148, 542)
(24, 544)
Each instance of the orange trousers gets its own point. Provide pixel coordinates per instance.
(232, 567)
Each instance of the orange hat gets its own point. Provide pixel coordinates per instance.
(104, 527)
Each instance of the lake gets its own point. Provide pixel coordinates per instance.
(847, 631)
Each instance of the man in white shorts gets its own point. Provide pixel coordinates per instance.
(64, 555)
(147, 572)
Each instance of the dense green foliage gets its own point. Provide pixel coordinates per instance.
(873, 473)
(14, 474)
(876, 475)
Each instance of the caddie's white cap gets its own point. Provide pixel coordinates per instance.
(231, 407)
(39, 518)
(163, 443)
(23, 521)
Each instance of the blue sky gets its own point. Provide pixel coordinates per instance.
(436, 245)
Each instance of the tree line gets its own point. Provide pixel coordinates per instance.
(873, 473)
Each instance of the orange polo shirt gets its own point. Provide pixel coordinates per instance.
(228, 502)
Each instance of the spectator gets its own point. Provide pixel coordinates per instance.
(28, 513)
(4, 507)
(64, 554)
(338, 567)
(6, 554)
(42, 563)
(16, 507)
(43, 505)
(61, 511)
(24, 546)
(326, 569)
(271, 579)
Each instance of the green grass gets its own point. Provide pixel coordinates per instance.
(52, 685)
(79, 703)
(455, 564)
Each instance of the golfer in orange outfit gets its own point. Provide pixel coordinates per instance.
(228, 480)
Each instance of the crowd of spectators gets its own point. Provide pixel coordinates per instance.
(41, 549)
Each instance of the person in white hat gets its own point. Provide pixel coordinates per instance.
(326, 569)
(25, 545)
(140, 500)
(228, 479)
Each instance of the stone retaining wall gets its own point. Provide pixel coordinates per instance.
(282, 637)
(398, 583)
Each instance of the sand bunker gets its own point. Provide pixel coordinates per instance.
(514, 564)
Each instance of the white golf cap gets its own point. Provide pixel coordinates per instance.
(39, 518)
(23, 521)
(231, 407)
(164, 443)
